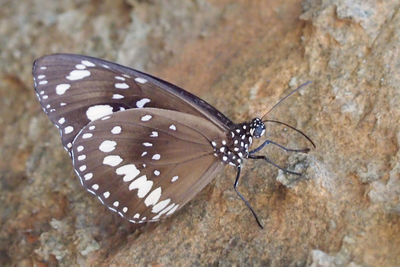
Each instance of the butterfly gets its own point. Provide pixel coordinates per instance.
(144, 147)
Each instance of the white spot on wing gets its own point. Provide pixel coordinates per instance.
(98, 111)
(82, 168)
(68, 129)
(154, 134)
(172, 127)
(160, 205)
(62, 88)
(156, 156)
(140, 80)
(87, 135)
(147, 144)
(80, 66)
(116, 130)
(106, 194)
(117, 96)
(116, 204)
(87, 63)
(107, 146)
(43, 82)
(120, 78)
(41, 76)
(61, 120)
(112, 160)
(121, 86)
(156, 172)
(81, 157)
(153, 197)
(164, 211)
(79, 148)
(129, 171)
(146, 117)
(88, 176)
(174, 178)
(95, 187)
(77, 75)
(142, 185)
(142, 102)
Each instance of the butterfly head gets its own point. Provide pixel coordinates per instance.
(257, 128)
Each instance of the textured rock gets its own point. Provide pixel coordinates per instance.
(241, 56)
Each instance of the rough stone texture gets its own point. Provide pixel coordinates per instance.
(241, 56)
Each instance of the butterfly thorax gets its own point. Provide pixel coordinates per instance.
(235, 148)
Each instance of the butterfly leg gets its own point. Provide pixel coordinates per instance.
(267, 142)
(235, 186)
(273, 163)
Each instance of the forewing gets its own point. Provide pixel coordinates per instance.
(75, 90)
(146, 163)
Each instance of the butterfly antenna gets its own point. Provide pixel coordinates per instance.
(297, 130)
(291, 93)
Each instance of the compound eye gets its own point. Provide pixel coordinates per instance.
(259, 131)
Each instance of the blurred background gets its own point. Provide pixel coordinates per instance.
(242, 57)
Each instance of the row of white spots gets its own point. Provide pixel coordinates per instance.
(129, 173)
(143, 187)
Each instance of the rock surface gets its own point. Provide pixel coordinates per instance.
(242, 57)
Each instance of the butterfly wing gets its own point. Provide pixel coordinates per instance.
(75, 90)
(146, 163)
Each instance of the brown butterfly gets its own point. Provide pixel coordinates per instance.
(142, 146)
